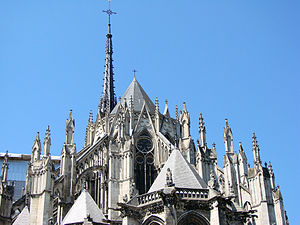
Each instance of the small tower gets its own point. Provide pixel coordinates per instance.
(39, 185)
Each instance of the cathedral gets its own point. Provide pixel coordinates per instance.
(139, 165)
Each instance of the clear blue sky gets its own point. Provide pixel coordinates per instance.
(227, 59)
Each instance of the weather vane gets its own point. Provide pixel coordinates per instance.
(109, 12)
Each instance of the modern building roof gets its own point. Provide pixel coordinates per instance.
(25, 157)
(139, 96)
(23, 217)
(183, 174)
(84, 207)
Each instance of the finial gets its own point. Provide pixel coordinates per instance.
(71, 115)
(226, 123)
(134, 71)
(201, 122)
(270, 167)
(166, 101)
(254, 140)
(184, 107)
(109, 12)
(37, 136)
(48, 131)
(240, 147)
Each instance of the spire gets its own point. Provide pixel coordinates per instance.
(202, 131)
(47, 142)
(228, 138)
(36, 148)
(108, 99)
(255, 149)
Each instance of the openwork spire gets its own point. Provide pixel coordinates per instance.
(108, 99)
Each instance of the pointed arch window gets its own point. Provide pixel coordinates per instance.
(145, 172)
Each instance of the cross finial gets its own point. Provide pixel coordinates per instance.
(134, 71)
(109, 12)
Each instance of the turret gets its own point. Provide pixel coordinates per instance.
(36, 149)
(47, 143)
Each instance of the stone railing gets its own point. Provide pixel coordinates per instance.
(181, 193)
(185, 193)
(148, 198)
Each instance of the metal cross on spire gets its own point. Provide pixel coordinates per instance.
(134, 71)
(109, 12)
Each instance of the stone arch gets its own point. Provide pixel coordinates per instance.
(192, 218)
(153, 220)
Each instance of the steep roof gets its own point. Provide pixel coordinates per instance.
(84, 207)
(139, 96)
(183, 174)
(23, 217)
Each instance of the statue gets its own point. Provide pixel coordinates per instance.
(169, 179)
(132, 190)
(212, 181)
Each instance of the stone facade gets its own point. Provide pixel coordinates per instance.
(140, 166)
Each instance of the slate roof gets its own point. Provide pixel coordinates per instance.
(83, 207)
(23, 217)
(139, 96)
(183, 174)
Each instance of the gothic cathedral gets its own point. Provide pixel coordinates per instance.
(141, 166)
